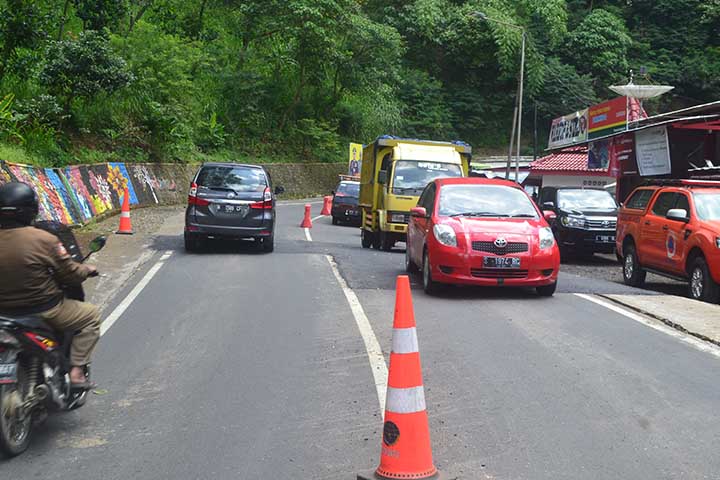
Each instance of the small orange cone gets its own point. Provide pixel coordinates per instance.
(405, 451)
(327, 206)
(307, 221)
(125, 224)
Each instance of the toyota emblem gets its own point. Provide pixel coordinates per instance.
(231, 195)
(501, 242)
(605, 224)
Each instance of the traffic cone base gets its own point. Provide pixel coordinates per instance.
(373, 475)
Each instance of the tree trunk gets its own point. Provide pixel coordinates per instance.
(136, 18)
(200, 18)
(296, 99)
(63, 19)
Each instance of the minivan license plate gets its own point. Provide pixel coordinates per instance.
(8, 373)
(501, 262)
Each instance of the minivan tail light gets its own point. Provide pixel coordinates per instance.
(266, 203)
(193, 198)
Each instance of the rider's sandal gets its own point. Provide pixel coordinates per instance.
(82, 386)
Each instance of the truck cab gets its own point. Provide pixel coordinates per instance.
(394, 173)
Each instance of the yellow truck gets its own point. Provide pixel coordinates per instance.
(393, 175)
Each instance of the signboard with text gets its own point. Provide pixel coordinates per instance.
(569, 129)
(607, 118)
(355, 160)
(653, 151)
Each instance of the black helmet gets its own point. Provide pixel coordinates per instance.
(18, 204)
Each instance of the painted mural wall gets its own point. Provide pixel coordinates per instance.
(75, 195)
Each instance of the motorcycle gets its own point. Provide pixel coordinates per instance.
(35, 362)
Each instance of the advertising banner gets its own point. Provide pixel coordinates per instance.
(355, 161)
(614, 155)
(653, 151)
(607, 118)
(569, 129)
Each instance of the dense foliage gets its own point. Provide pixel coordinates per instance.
(87, 80)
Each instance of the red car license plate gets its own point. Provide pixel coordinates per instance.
(501, 262)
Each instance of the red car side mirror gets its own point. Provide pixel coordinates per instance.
(418, 212)
(549, 215)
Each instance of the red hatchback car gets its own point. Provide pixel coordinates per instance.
(478, 231)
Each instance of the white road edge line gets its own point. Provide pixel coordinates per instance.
(318, 217)
(314, 202)
(374, 352)
(655, 324)
(308, 237)
(127, 301)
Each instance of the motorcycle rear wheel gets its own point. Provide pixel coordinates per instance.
(14, 433)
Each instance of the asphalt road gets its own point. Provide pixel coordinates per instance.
(233, 364)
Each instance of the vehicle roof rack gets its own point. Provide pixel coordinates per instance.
(678, 182)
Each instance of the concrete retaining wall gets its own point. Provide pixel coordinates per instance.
(75, 195)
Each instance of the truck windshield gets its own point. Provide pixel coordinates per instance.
(585, 200)
(707, 205)
(485, 201)
(412, 176)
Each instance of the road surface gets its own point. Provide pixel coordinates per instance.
(234, 364)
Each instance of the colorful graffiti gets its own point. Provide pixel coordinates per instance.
(74, 195)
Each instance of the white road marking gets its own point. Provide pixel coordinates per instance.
(318, 217)
(127, 301)
(372, 346)
(308, 237)
(655, 324)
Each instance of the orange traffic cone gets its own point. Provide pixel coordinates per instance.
(405, 451)
(125, 224)
(327, 206)
(307, 221)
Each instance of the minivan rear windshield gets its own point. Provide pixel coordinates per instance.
(237, 179)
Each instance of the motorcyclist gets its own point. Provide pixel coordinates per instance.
(33, 266)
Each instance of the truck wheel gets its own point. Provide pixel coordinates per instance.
(335, 220)
(386, 242)
(366, 239)
(633, 274)
(702, 286)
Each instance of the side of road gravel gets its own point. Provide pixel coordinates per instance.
(699, 319)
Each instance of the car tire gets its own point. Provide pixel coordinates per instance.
(701, 285)
(193, 243)
(268, 244)
(633, 274)
(546, 290)
(430, 286)
(386, 242)
(366, 239)
(335, 221)
(410, 267)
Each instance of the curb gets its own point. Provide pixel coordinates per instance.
(664, 320)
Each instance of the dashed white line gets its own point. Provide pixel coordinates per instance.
(308, 237)
(661, 327)
(372, 346)
(127, 301)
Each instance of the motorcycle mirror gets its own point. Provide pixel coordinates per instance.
(97, 244)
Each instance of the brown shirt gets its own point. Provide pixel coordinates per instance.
(33, 265)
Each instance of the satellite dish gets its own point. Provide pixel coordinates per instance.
(640, 91)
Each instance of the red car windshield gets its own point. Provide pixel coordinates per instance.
(485, 201)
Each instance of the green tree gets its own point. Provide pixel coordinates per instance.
(100, 14)
(599, 47)
(83, 67)
(23, 25)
